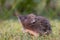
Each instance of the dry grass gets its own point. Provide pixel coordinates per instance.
(11, 30)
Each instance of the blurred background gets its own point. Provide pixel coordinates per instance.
(10, 28)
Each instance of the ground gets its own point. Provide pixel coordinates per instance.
(10, 29)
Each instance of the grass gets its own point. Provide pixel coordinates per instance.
(11, 30)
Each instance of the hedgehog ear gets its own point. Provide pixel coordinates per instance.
(33, 21)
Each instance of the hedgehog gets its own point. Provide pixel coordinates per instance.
(35, 25)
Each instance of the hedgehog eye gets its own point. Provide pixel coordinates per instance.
(25, 17)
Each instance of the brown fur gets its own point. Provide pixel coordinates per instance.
(35, 25)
